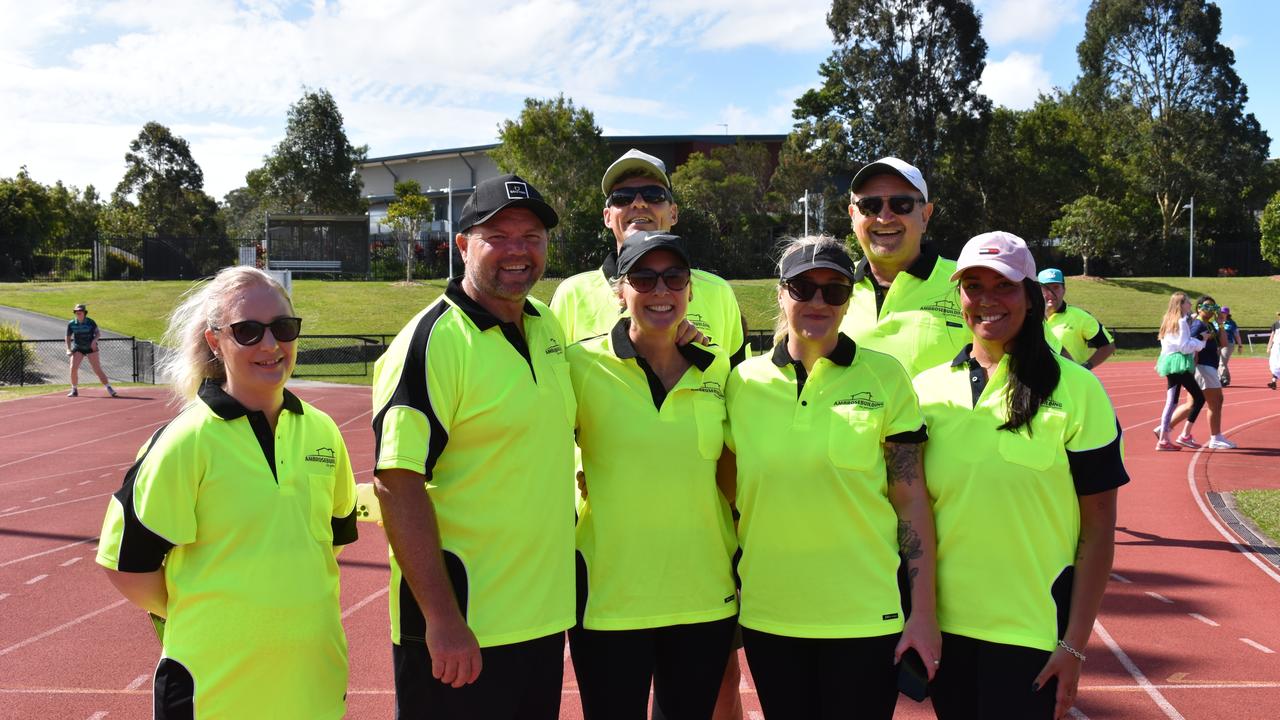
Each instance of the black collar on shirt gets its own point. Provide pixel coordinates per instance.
(842, 354)
(228, 408)
(620, 341)
(610, 266)
(482, 318)
(977, 374)
(922, 267)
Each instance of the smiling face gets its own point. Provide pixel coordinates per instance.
(813, 319)
(994, 306)
(886, 237)
(1053, 294)
(639, 215)
(506, 255)
(660, 310)
(256, 374)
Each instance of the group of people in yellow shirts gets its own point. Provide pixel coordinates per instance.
(912, 489)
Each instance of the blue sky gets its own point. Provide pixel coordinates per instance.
(78, 79)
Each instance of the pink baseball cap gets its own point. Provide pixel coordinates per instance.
(1001, 251)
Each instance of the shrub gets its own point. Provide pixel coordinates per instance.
(15, 357)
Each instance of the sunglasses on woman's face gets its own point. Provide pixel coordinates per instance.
(652, 194)
(834, 294)
(675, 278)
(250, 332)
(898, 204)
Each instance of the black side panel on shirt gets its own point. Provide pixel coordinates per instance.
(344, 529)
(1061, 592)
(413, 627)
(1099, 340)
(412, 390)
(1100, 469)
(174, 692)
(140, 549)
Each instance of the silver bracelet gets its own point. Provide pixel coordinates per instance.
(1079, 655)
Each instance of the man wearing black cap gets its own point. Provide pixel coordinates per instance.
(638, 198)
(473, 401)
(904, 302)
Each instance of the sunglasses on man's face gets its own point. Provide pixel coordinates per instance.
(652, 194)
(250, 332)
(898, 204)
(675, 278)
(834, 294)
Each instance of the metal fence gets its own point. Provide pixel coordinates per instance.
(42, 362)
(338, 355)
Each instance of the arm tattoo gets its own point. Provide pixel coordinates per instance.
(909, 541)
(911, 578)
(901, 462)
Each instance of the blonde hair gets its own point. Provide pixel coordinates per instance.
(791, 245)
(190, 361)
(1173, 315)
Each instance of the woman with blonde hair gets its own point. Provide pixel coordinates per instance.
(1177, 365)
(227, 527)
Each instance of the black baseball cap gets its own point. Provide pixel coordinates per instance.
(830, 256)
(639, 244)
(494, 195)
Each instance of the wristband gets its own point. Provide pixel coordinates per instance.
(1079, 655)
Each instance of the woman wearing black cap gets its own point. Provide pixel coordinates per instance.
(655, 538)
(832, 498)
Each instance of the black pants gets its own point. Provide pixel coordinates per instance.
(685, 663)
(821, 679)
(1187, 381)
(520, 681)
(980, 680)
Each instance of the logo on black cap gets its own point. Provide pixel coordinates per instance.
(517, 191)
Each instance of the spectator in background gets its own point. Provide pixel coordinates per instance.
(1273, 352)
(1177, 366)
(1204, 326)
(1232, 344)
(82, 342)
(1085, 339)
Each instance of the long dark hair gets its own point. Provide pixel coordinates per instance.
(1033, 367)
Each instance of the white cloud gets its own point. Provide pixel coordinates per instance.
(1010, 21)
(1016, 81)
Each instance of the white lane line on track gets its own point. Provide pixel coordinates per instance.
(42, 497)
(15, 507)
(1212, 517)
(101, 438)
(1160, 597)
(365, 601)
(1156, 421)
(137, 682)
(81, 472)
(1204, 620)
(1138, 676)
(3, 595)
(357, 417)
(755, 715)
(1120, 578)
(1075, 713)
(59, 492)
(42, 553)
(71, 562)
(35, 579)
(64, 422)
(1258, 646)
(53, 631)
(48, 507)
(1182, 686)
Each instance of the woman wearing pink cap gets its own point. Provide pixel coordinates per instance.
(1023, 460)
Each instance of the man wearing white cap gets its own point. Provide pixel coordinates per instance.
(904, 302)
(638, 197)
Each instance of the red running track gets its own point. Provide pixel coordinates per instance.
(1190, 627)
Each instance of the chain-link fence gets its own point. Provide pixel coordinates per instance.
(338, 355)
(41, 362)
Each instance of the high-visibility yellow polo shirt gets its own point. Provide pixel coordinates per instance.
(1078, 332)
(243, 521)
(586, 306)
(487, 415)
(917, 319)
(1006, 503)
(819, 536)
(655, 532)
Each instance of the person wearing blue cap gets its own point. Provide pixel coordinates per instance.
(1083, 338)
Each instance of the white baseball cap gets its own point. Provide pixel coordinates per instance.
(891, 166)
(1001, 251)
(631, 160)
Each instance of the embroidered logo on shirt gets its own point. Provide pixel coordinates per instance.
(713, 387)
(554, 348)
(323, 455)
(944, 306)
(864, 400)
(696, 320)
(1051, 403)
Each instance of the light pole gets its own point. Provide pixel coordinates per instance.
(449, 229)
(1191, 239)
(805, 200)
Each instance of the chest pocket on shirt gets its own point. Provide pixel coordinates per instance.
(1040, 449)
(709, 414)
(320, 489)
(853, 439)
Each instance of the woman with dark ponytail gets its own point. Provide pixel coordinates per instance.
(1023, 460)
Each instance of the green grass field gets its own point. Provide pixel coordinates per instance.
(1263, 508)
(338, 307)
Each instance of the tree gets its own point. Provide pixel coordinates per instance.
(1090, 227)
(313, 169)
(558, 148)
(903, 80)
(1162, 90)
(1271, 231)
(168, 185)
(729, 187)
(24, 222)
(407, 215)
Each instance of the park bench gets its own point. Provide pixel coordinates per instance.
(300, 266)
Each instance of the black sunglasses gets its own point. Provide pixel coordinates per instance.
(250, 332)
(898, 204)
(652, 194)
(834, 294)
(675, 278)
